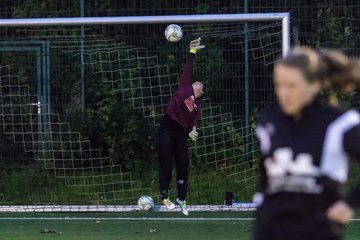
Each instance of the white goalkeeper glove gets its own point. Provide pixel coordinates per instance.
(193, 135)
(195, 45)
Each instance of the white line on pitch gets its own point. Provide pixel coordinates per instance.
(126, 219)
(134, 219)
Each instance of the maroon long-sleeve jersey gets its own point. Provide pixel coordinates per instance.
(183, 107)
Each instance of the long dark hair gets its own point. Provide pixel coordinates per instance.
(336, 72)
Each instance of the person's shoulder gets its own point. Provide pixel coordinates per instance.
(348, 114)
(185, 89)
(271, 114)
(335, 112)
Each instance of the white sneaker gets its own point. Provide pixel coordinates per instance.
(168, 203)
(182, 205)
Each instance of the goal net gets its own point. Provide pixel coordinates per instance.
(80, 104)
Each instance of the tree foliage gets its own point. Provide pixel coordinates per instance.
(120, 130)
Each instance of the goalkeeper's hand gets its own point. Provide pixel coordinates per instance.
(195, 45)
(193, 135)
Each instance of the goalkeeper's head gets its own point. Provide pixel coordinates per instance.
(198, 88)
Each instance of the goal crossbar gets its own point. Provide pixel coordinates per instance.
(202, 18)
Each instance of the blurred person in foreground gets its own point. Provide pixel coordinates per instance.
(306, 144)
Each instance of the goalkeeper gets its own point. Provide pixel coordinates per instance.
(179, 123)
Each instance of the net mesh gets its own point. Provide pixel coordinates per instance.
(81, 111)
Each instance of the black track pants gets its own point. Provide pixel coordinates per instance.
(297, 231)
(171, 145)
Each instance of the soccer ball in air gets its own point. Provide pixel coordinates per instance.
(173, 33)
(145, 203)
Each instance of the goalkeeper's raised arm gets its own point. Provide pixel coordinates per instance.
(184, 106)
(179, 123)
(185, 78)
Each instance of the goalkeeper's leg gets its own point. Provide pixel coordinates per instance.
(182, 168)
(165, 146)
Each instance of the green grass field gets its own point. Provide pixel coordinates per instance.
(110, 226)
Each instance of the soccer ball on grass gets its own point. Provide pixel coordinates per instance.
(145, 203)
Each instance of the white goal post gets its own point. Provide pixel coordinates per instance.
(205, 18)
(284, 18)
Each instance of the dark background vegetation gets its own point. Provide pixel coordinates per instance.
(112, 124)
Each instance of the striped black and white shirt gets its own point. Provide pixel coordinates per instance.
(304, 163)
